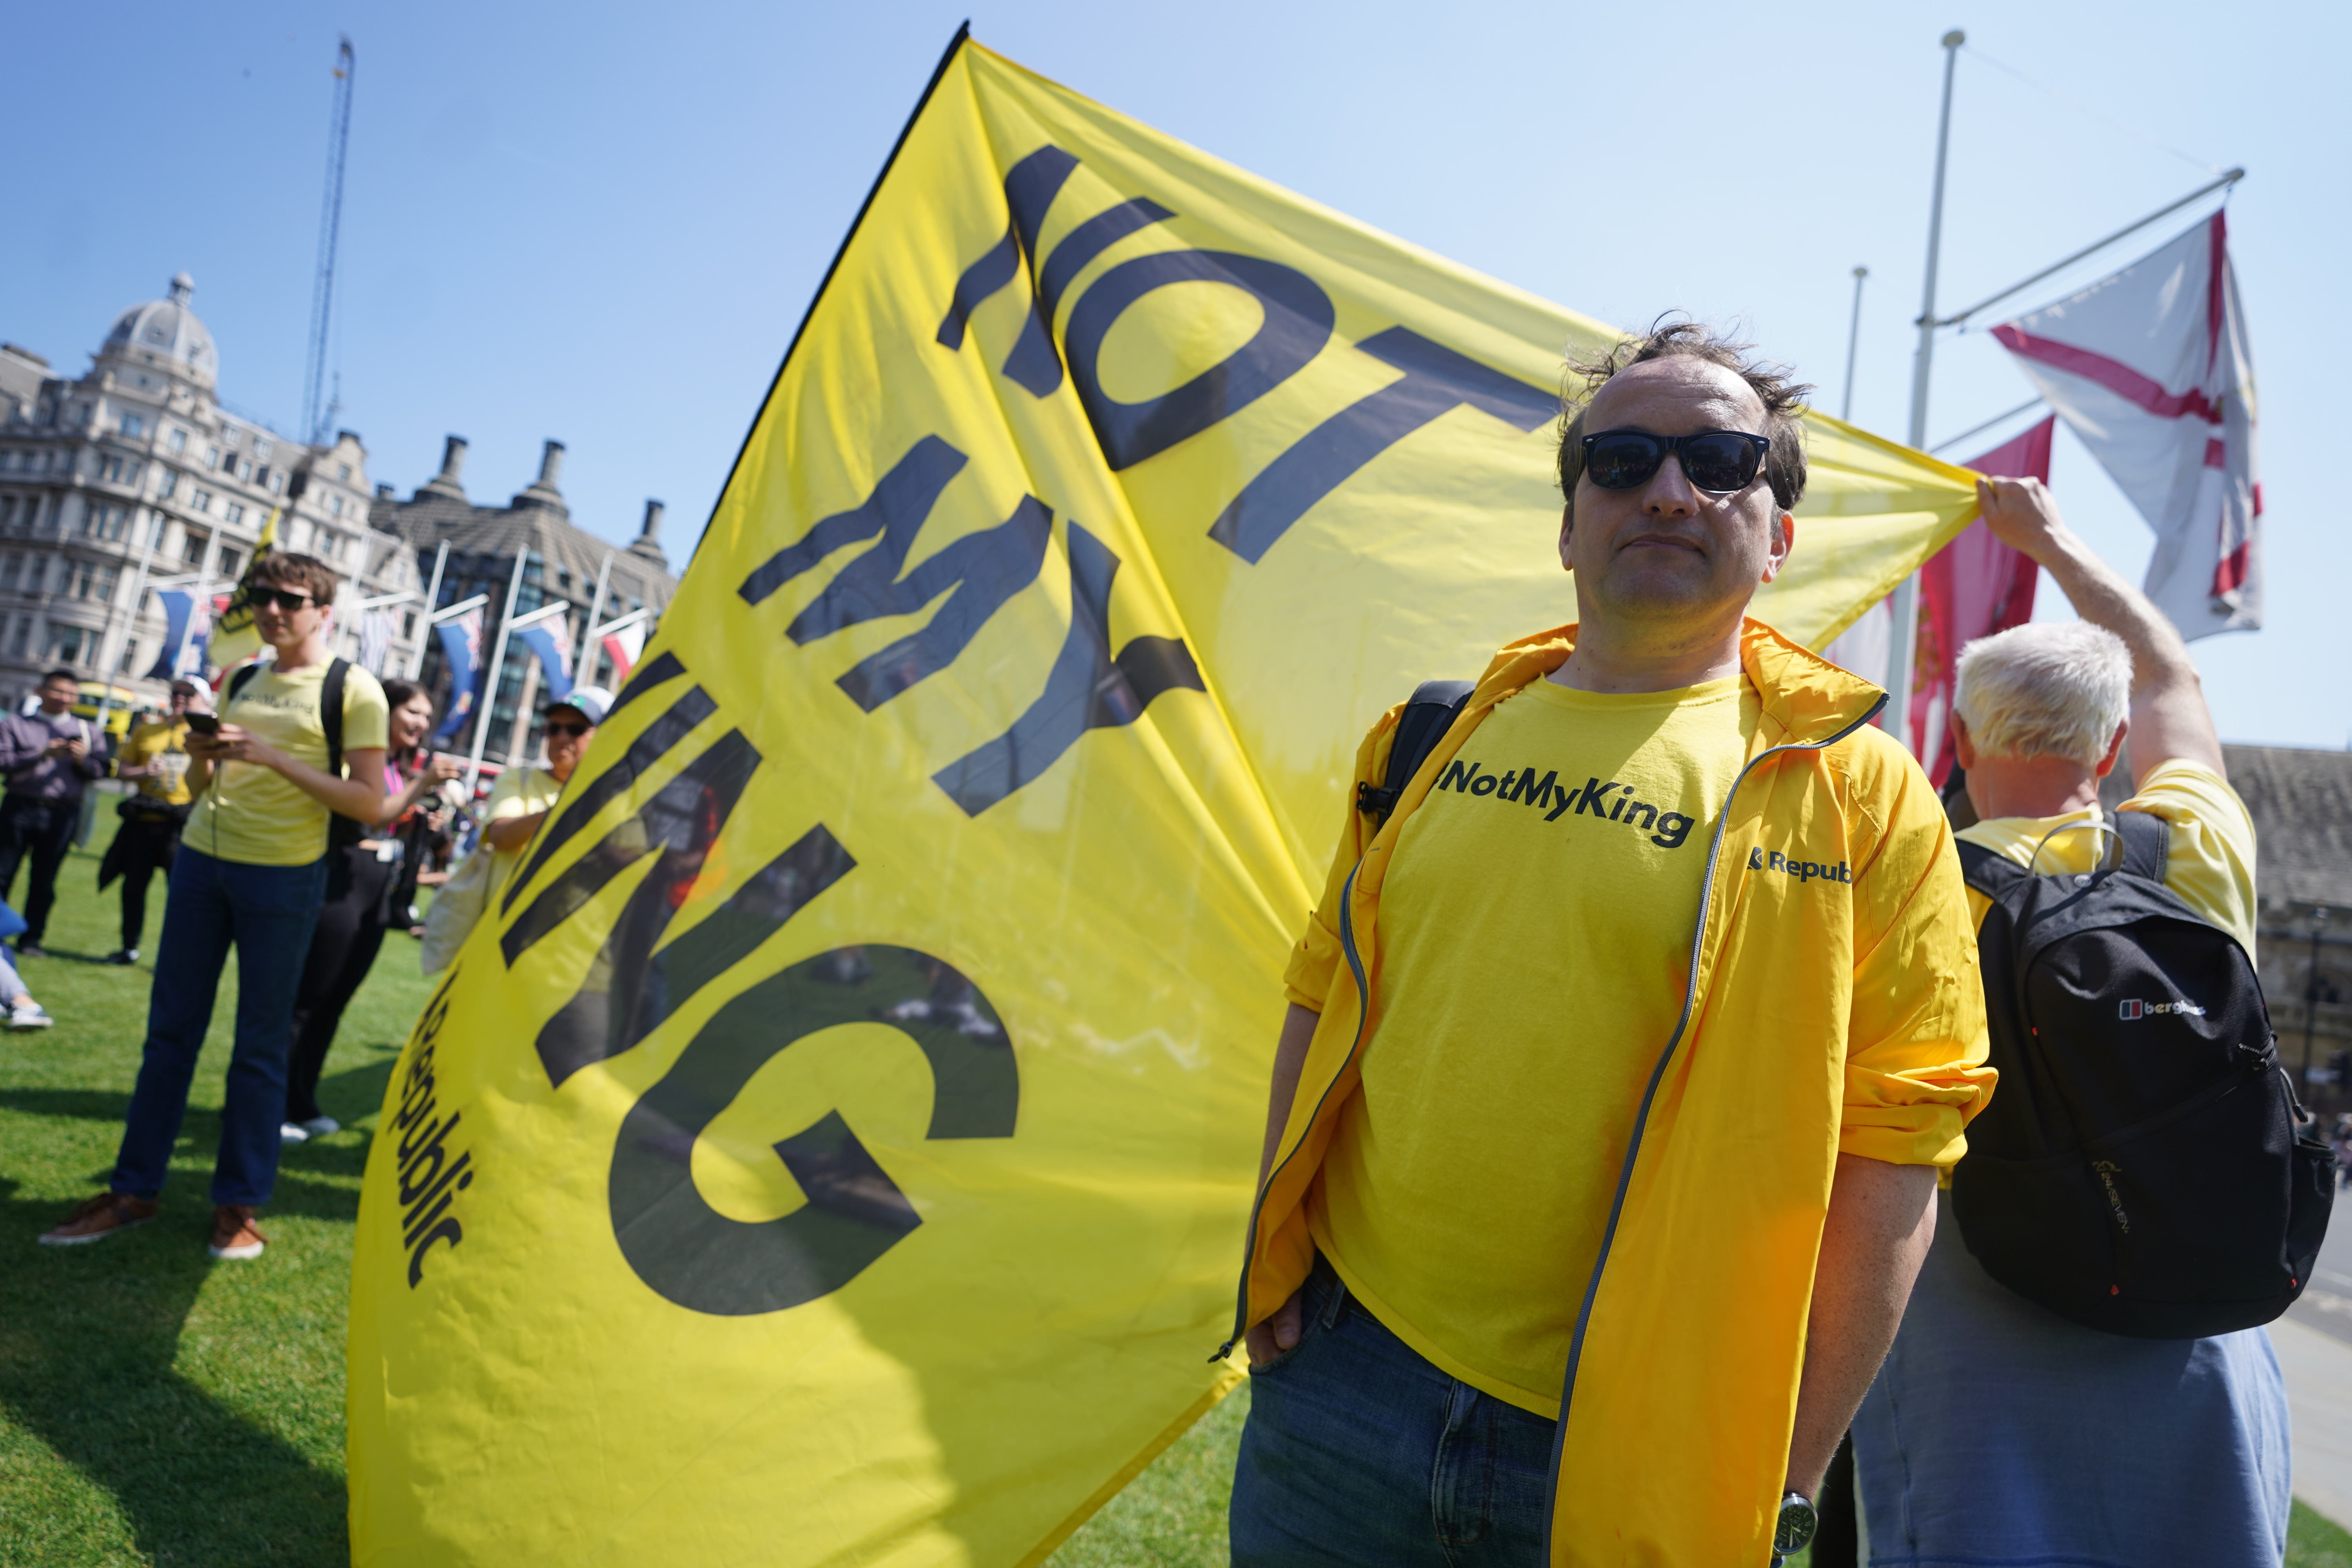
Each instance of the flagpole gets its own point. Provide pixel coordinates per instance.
(1902, 651)
(581, 668)
(432, 599)
(1852, 341)
(137, 589)
(490, 686)
(2226, 180)
(528, 697)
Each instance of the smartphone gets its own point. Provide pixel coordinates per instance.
(205, 723)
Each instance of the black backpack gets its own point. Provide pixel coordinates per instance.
(1428, 713)
(342, 832)
(2139, 1168)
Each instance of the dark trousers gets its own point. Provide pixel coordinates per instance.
(1358, 1451)
(343, 949)
(147, 844)
(267, 913)
(43, 829)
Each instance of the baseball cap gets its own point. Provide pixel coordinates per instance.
(593, 700)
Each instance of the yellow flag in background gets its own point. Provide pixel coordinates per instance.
(235, 639)
(833, 1146)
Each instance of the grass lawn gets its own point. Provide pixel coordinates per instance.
(159, 1407)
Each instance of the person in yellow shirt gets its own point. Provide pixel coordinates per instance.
(523, 796)
(1998, 1431)
(299, 743)
(1601, 1143)
(156, 754)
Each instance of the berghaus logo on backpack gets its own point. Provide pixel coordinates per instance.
(2133, 1008)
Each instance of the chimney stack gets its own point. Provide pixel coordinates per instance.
(452, 464)
(542, 491)
(648, 542)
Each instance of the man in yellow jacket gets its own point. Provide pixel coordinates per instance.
(1604, 1124)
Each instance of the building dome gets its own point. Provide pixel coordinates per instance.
(166, 332)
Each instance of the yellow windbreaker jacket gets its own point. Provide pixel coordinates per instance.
(1814, 1001)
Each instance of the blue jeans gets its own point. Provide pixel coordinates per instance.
(1357, 1450)
(1999, 1435)
(267, 911)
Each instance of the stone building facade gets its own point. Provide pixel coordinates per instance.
(476, 547)
(135, 471)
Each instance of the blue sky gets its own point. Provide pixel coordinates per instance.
(601, 222)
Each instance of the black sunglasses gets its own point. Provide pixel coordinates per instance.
(566, 729)
(288, 602)
(1720, 461)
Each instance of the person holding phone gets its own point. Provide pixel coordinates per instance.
(155, 755)
(251, 873)
(363, 888)
(49, 755)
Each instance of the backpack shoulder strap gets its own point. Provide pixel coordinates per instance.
(1428, 714)
(2147, 839)
(1989, 871)
(238, 681)
(330, 712)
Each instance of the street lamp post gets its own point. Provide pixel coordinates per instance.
(1852, 340)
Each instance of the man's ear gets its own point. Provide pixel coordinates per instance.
(2115, 749)
(1567, 526)
(1964, 751)
(1784, 541)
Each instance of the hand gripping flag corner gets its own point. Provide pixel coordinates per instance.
(833, 1144)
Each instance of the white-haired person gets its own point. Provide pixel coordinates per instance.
(1998, 1432)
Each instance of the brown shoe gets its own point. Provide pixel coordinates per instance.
(96, 1218)
(233, 1232)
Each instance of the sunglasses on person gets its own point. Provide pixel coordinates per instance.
(1717, 461)
(566, 727)
(284, 599)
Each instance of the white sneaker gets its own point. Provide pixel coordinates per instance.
(321, 1126)
(27, 1014)
(293, 1133)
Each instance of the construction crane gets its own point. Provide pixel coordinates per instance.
(315, 419)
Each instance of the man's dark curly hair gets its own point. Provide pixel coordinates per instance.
(302, 573)
(1784, 398)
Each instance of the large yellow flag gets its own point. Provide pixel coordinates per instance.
(234, 638)
(832, 1145)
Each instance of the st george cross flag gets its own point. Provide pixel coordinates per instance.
(624, 648)
(1971, 588)
(461, 649)
(551, 641)
(2151, 370)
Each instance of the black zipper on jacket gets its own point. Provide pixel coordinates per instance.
(1363, 1013)
(1649, 1094)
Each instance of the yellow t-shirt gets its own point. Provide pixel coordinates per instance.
(1536, 929)
(258, 815)
(2209, 851)
(161, 744)
(518, 792)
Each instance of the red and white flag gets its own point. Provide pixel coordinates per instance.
(625, 646)
(2151, 370)
(1971, 588)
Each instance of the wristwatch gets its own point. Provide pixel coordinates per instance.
(1794, 1530)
